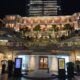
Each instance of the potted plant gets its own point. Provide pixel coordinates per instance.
(70, 70)
(77, 66)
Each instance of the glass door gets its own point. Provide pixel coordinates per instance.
(43, 62)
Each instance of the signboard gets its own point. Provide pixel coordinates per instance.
(18, 67)
(18, 62)
(61, 68)
(61, 63)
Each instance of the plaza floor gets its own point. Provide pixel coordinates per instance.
(39, 75)
(5, 77)
(36, 75)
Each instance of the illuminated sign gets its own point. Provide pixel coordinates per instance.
(61, 63)
(18, 63)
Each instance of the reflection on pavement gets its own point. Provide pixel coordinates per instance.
(5, 77)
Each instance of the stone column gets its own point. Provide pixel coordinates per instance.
(32, 64)
(54, 64)
(72, 56)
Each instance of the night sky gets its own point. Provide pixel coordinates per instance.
(18, 7)
(12, 7)
(70, 6)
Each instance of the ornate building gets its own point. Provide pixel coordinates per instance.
(40, 36)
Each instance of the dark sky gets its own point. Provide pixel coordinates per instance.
(12, 7)
(70, 6)
(18, 7)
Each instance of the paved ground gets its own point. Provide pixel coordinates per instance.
(77, 78)
(32, 75)
(37, 75)
(5, 77)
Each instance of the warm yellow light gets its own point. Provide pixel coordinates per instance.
(9, 56)
(1, 56)
(54, 64)
(32, 62)
(78, 57)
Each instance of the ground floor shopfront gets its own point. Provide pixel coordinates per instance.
(41, 60)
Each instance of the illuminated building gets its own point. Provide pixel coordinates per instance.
(44, 51)
(44, 7)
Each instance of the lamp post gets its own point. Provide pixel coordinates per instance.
(78, 21)
(12, 55)
(2, 23)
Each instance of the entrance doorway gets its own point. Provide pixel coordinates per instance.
(43, 62)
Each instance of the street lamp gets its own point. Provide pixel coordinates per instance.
(1, 23)
(78, 21)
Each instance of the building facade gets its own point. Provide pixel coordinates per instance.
(43, 50)
(44, 7)
(45, 23)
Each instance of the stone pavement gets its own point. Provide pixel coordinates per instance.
(5, 77)
(77, 78)
(39, 74)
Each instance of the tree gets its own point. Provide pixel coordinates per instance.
(77, 66)
(68, 27)
(55, 28)
(2, 25)
(70, 70)
(24, 30)
(37, 28)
